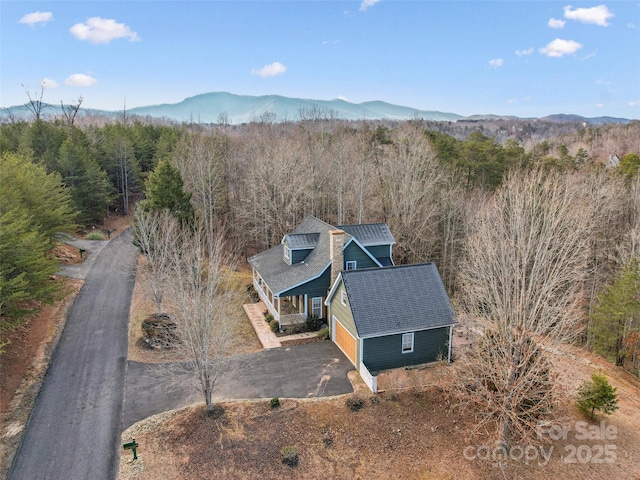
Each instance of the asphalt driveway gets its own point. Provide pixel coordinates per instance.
(74, 428)
(302, 371)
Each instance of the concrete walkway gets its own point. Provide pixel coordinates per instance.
(255, 312)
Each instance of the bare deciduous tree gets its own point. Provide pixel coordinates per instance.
(71, 111)
(201, 301)
(413, 178)
(629, 247)
(155, 234)
(35, 105)
(202, 162)
(521, 281)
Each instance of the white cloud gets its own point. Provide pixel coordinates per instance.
(555, 23)
(343, 98)
(366, 4)
(102, 30)
(518, 100)
(524, 53)
(594, 15)
(560, 48)
(589, 55)
(80, 80)
(599, 105)
(48, 83)
(271, 70)
(496, 62)
(330, 42)
(634, 103)
(36, 17)
(603, 82)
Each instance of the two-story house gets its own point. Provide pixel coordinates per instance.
(293, 278)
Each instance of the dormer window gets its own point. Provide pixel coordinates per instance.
(287, 254)
(352, 265)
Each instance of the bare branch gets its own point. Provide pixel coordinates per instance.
(70, 111)
(201, 295)
(522, 281)
(35, 104)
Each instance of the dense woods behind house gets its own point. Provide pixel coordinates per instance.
(257, 181)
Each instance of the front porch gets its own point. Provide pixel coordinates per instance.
(290, 310)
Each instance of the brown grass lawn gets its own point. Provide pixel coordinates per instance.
(411, 433)
(244, 337)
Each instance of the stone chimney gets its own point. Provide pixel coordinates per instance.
(336, 246)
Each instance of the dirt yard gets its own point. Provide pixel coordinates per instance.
(244, 338)
(411, 433)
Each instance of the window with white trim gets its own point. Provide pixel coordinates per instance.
(343, 298)
(316, 307)
(352, 265)
(407, 342)
(287, 253)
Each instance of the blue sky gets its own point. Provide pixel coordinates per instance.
(525, 58)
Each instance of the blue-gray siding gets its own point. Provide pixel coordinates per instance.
(354, 252)
(314, 288)
(380, 250)
(299, 255)
(380, 353)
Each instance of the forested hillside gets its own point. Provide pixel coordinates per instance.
(427, 180)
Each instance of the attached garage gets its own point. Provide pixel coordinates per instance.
(391, 317)
(344, 339)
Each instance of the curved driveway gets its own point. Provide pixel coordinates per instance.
(302, 371)
(74, 428)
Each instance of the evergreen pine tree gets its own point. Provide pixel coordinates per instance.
(597, 394)
(617, 314)
(165, 191)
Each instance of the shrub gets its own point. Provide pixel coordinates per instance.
(354, 404)
(268, 318)
(95, 236)
(323, 334)
(312, 323)
(294, 329)
(597, 394)
(290, 455)
(159, 331)
(274, 402)
(274, 325)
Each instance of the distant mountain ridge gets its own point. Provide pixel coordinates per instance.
(237, 109)
(208, 108)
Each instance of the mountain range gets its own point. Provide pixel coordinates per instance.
(217, 107)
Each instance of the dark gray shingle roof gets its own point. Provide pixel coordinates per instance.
(397, 299)
(369, 234)
(279, 275)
